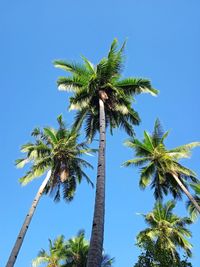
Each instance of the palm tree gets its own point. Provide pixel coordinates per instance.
(160, 166)
(191, 207)
(56, 152)
(77, 251)
(102, 98)
(166, 233)
(70, 253)
(56, 255)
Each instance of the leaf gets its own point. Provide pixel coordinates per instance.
(20, 163)
(196, 188)
(136, 161)
(185, 148)
(148, 140)
(51, 134)
(89, 65)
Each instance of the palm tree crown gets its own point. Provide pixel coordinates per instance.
(103, 81)
(159, 165)
(77, 251)
(166, 230)
(70, 253)
(59, 151)
(56, 255)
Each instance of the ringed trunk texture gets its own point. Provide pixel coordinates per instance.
(22, 233)
(97, 236)
(186, 192)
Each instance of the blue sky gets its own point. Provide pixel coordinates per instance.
(163, 45)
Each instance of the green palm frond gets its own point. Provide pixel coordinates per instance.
(39, 260)
(70, 83)
(193, 212)
(146, 174)
(183, 170)
(90, 67)
(51, 134)
(185, 148)
(75, 68)
(31, 175)
(136, 162)
(133, 86)
(20, 163)
(148, 141)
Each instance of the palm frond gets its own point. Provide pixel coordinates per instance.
(193, 212)
(134, 86)
(90, 67)
(158, 133)
(79, 118)
(70, 84)
(146, 174)
(39, 260)
(136, 162)
(51, 134)
(74, 68)
(20, 163)
(185, 148)
(196, 188)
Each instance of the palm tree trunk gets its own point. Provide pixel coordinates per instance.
(96, 241)
(186, 192)
(22, 233)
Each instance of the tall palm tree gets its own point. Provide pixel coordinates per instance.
(193, 211)
(56, 152)
(102, 98)
(166, 231)
(160, 166)
(70, 253)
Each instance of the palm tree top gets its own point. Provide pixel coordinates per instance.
(90, 83)
(69, 253)
(167, 230)
(158, 164)
(57, 150)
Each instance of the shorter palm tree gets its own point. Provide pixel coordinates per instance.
(56, 255)
(70, 253)
(167, 231)
(58, 153)
(191, 208)
(160, 166)
(77, 251)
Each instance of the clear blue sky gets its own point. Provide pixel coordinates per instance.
(163, 45)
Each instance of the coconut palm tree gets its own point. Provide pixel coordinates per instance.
(191, 208)
(160, 166)
(154, 256)
(56, 255)
(70, 253)
(77, 251)
(56, 152)
(166, 231)
(102, 98)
